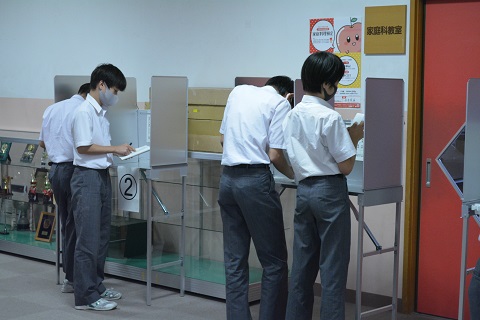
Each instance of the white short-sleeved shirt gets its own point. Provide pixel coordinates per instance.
(252, 124)
(91, 127)
(316, 138)
(56, 129)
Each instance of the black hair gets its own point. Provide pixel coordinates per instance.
(111, 75)
(84, 89)
(321, 67)
(282, 84)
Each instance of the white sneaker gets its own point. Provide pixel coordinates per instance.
(67, 286)
(99, 305)
(111, 294)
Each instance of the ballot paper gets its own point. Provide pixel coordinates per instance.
(137, 151)
(359, 117)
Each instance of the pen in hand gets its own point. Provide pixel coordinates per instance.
(133, 149)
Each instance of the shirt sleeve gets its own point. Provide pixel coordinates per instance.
(275, 134)
(82, 129)
(338, 139)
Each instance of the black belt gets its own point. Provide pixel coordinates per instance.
(99, 170)
(60, 163)
(252, 166)
(323, 177)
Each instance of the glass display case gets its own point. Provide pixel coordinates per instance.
(203, 257)
(25, 194)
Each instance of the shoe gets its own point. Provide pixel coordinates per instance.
(111, 294)
(99, 305)
(67, 286)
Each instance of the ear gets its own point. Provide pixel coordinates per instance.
(100, 85)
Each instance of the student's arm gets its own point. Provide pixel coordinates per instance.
(356, 134)
(121, 150)
(278, 159)
(42, 144)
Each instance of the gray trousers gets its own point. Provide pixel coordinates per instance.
(60, 175)
(321, 242)
(251, 210)
(92, 210)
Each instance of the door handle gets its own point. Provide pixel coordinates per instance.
(428, 168)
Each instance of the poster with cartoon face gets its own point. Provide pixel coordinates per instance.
(349, 38)
(343, 37)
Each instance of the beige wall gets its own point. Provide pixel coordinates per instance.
(22, 114)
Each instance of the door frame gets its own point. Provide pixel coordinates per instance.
(413, 156)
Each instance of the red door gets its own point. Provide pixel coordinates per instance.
(452, 56)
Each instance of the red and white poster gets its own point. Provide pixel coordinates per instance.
(342, 36)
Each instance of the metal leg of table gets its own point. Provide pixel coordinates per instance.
(463, 262)
(396, 259)
(149, 242)
(58, 244)
(360, 255)
(358, 293)
(182, 240)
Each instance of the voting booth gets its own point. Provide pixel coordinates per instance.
(460, 161)
(376, 178)
(168, 153)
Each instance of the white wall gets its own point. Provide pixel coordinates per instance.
(209, 41)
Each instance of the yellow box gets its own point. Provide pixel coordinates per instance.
(208, 96)
(204, 135)
(206, 112)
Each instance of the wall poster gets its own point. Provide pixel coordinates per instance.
(343, 37)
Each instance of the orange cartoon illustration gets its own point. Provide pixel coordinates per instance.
(349, 37)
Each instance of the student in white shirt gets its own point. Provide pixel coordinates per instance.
(92, 190)
(250, 206)
(321, 151)
(56, 138)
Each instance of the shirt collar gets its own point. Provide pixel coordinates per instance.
(95, 105)
(78, 97)
(313, 99)
(271, 89)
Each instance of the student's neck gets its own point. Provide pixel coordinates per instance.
(95, 95)
(316, 94)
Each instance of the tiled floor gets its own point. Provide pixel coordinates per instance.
(28, 291)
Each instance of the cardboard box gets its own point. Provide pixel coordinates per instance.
(204, 135)
(204, 143)
(206, 112)
(208, 96)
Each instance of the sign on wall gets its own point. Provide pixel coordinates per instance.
(343, 37)
(385, 29)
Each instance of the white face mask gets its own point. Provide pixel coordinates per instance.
(107, 98)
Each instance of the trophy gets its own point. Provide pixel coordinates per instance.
(32, 192)
(47, 192)
(6, 185)
(23, 222)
